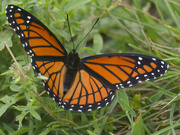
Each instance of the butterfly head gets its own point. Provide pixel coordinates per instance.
(73, 60)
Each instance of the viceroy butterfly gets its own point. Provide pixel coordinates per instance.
(79, 84)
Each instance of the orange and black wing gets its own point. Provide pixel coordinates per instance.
(120, 70)
(38, 41)
(47, 53)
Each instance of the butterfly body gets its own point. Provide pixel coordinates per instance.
(72, 67)
(79, 84)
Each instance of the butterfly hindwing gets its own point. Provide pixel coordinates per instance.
(54, 85)
(86, 94)
(124, 70)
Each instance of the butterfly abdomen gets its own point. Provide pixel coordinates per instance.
(72, 67)
(69, 79)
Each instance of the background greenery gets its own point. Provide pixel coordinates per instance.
(149, 27)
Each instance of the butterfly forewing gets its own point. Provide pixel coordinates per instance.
(36, 38)
(124, 70)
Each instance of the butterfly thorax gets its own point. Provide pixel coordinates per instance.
(73, 60)
(72, 65)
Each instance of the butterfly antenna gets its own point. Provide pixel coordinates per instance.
(70, 32)
(88, 33)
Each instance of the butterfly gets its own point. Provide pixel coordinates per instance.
(79, 84)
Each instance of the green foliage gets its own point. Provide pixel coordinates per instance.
(97, 43)
(5, 36)
(138, 26)
(138, 124)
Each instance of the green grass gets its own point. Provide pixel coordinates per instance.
(138, 26)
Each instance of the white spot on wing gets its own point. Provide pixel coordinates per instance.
(89, 109)
(112, 97)
(28, 17)
(154, 59)
(140, 58)
(145, 75)
(128, 82)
